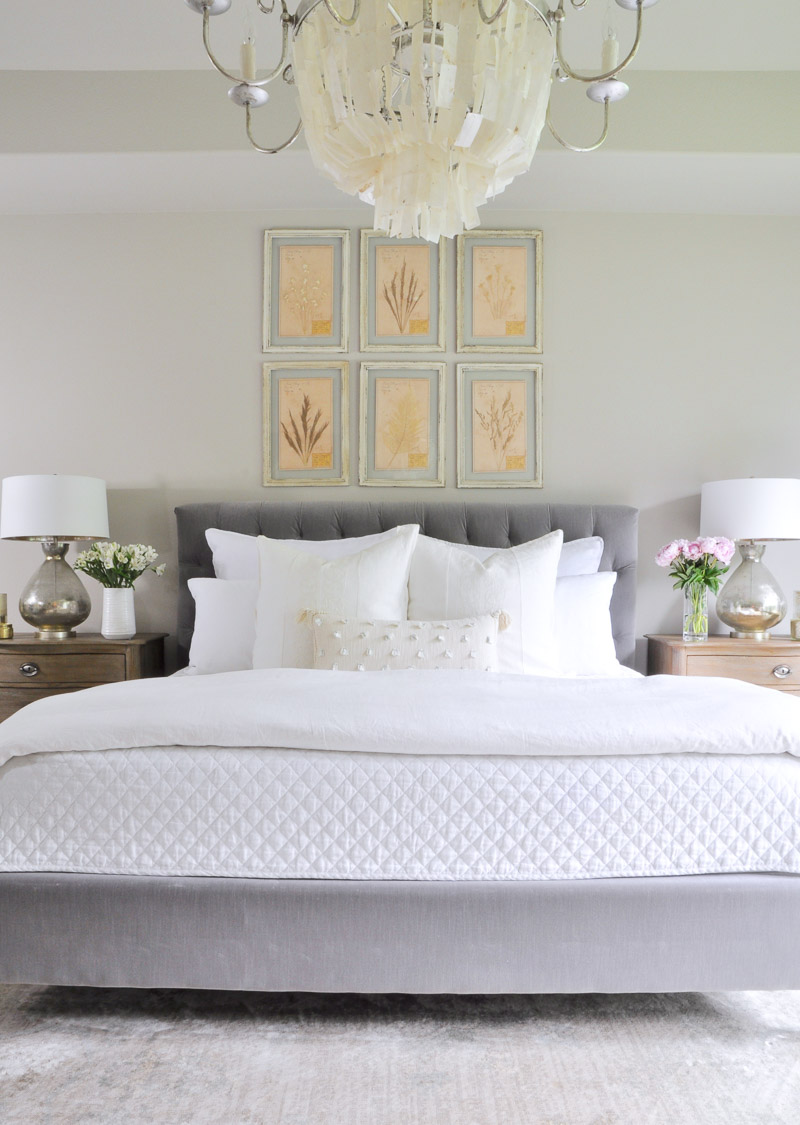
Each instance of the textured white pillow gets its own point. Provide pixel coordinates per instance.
(236, 555)
(584, 638)
(578, 556)
(385, 646)
(224, 625)
(370, 584)
(448, 582)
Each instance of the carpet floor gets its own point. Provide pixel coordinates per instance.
(74, 1056)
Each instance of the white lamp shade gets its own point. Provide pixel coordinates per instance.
(53, 507)
(752, 508)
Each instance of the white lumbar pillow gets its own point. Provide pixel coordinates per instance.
(584, 637)
(347, 645)
(448, 582)
(236, 555)
(373, 583)
(224, 625)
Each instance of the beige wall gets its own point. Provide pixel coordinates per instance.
(131, 350)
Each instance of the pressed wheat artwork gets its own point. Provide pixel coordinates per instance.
(305, 418)
(402, 291)
(306, 291)
(499, 437)
(499, 291)
(402, 409)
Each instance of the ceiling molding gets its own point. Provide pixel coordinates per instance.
(107, 183)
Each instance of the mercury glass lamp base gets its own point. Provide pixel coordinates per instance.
(55, 600)
(45, 634)
(762, 635)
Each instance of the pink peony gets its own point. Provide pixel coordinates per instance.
(708, 545)
(668, 553)
(693, 551)
(725, 550)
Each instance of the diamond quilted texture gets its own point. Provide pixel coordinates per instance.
(314, 814)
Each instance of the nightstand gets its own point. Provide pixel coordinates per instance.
(774, 663)
(31, 669)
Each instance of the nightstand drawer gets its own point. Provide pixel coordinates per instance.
(13, 698)
(44, 669)
(768, 670)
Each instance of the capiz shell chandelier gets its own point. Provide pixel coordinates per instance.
(424, 108)
(425, 113)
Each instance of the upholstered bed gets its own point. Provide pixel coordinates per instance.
(512, 893)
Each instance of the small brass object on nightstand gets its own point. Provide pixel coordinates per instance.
(795, 629)
(6, 630)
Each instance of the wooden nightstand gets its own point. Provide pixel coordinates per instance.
(31, 669)
(774, 663)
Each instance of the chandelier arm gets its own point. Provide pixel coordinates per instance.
(501, 7)
(345, 21)
(260, 148)
(269, 10)
(286, 21)
(558, 17)
(581, 148)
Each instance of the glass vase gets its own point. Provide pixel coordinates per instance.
(695, 612)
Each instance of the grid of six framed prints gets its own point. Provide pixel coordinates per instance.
(402, 401)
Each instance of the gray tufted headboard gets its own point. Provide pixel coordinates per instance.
(486, 525)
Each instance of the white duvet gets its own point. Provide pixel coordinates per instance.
(428, 713)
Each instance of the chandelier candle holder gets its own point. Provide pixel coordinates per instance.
(423, 108)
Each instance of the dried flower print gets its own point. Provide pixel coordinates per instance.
(303, 440)
(306, 291)
(402, 295)
(498, 431)
(499, 290)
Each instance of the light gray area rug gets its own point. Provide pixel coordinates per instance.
(71, 1056)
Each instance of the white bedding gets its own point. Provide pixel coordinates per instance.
(404, 775)
(319, 815)
(414, 713)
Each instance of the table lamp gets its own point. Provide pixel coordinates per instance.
(751, 511)
(53, 510)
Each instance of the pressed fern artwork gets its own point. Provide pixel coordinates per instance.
(401, 423)
(402, 296)
(305, 419)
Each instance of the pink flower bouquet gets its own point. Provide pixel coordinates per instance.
(700, 562)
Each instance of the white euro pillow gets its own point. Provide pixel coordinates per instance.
(584, 637)
(578, 556)
(446, 581)
(372, 583)
(224, 625)
(235, 555)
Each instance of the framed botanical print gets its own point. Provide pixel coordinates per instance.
(499, 425)
(306, 423)
(499, 291)
(402, 294)
(306, 286)
(402, 424)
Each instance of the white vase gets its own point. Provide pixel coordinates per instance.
(119, 617)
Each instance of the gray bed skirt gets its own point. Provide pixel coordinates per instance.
(679, 934)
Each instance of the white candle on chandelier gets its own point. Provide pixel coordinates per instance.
(610, 52)
(249, 47)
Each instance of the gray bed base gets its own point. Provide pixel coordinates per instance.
(673, 934)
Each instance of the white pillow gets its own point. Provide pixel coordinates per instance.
(387, 646)
(579, 556)
(370, 584)
(584, 639)
(224, 625)
(448, 582)
(236, 555)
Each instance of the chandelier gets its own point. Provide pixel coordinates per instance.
(423, 108)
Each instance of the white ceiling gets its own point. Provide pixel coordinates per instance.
(165, 35)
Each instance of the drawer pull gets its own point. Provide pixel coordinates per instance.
(781, 671)
(29, 669)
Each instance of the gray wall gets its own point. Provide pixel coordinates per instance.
(131, 350)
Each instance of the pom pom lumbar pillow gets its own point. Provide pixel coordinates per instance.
(345, 645)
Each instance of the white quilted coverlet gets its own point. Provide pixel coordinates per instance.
(315, 814)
